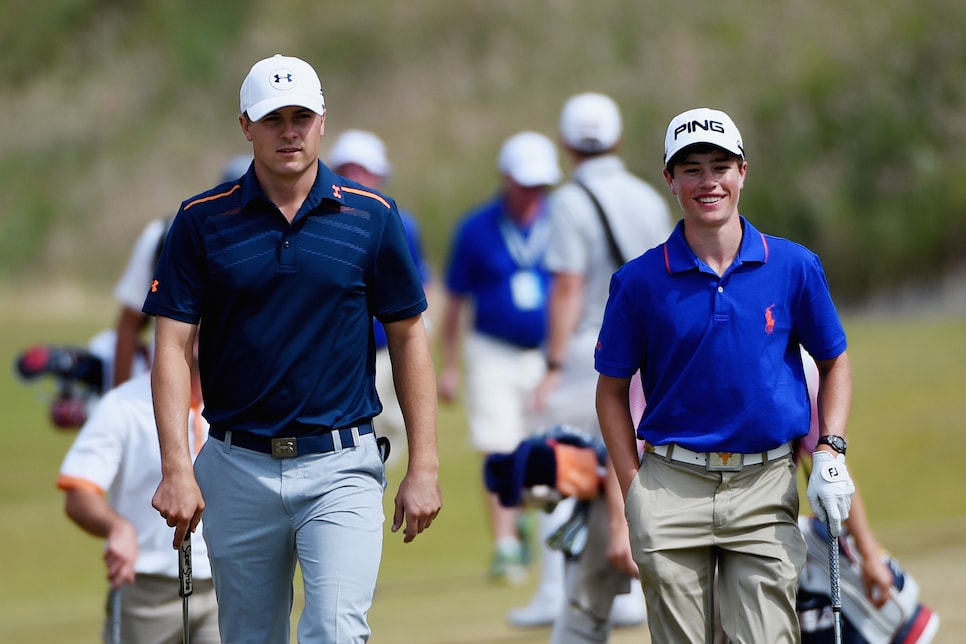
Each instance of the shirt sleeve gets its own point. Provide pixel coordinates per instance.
(136, 278)
(620, 344)
(94, 458)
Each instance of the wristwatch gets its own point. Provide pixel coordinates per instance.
(835, 442)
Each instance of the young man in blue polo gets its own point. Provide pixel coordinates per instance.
(287, 266)
(713, 318)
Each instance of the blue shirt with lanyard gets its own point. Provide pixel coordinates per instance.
(499, 265)
(719, 355)
(286, 340)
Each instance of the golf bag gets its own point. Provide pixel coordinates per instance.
(81, 375)
(902, 620)
(560, 463)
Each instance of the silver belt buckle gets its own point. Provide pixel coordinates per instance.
(725, 461)
(284, 448)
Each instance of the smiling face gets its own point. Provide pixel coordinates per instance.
(707, 183)
(285, 142)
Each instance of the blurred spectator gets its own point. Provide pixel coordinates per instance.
(495, 272)
(361, 156)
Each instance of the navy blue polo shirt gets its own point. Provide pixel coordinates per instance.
(719, 356)
(286, 309)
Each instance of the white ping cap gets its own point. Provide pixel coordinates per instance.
(280, 81)
(702, 125)
(530, 159)
(362, 148)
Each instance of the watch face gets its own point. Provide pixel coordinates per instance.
(836, 442)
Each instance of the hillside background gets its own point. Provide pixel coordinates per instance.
(114, 111)
(853, 114)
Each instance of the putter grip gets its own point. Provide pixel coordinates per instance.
(184, 566)
(833, 567)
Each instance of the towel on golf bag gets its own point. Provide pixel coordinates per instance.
(562, 458)
(902, 620)
(552, 465)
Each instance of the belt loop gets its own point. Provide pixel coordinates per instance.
(227, 443)
(670, 451)
(356, 439)
(336, 440)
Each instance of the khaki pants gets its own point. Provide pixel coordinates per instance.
(151, 612)
(686, 523)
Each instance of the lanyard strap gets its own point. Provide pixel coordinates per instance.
(525, 250)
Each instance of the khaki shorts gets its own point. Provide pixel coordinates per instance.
(151, 611)
(500, 379)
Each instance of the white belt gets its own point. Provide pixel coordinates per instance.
(717, 461)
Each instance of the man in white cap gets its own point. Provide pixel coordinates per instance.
(601, 218)
(287, 266)
(712, 319)
(360, 156)
(495, 269)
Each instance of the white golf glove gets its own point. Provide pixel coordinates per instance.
(830, 490)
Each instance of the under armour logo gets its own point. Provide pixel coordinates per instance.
(154, 286)
(282, 79)
(337, 191)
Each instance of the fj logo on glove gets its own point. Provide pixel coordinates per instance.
(831, 473)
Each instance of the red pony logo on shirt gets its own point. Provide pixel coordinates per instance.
(769, 320)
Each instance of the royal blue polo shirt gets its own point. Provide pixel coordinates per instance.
(719, 356)
(481, 267)
(286, 309)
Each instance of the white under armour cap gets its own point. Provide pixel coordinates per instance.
(362, 148)
(590, 122)
(702, 125)
(530, 159)
(281, 81)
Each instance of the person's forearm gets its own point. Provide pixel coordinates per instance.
(834, 395)
(90, 511)
(861, 531)
(614, 493)
(415, 384)
(128, 334)
(450, 332)
(617, 429)
(171, 392)
(563, 312)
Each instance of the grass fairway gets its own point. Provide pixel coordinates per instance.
(906, 451)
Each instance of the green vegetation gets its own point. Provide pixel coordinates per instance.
(852, 113)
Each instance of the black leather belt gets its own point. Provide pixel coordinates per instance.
(289, 446)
